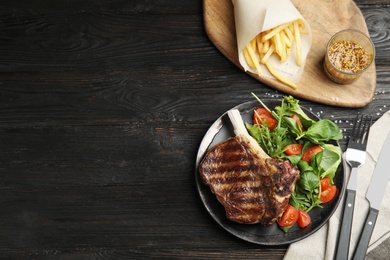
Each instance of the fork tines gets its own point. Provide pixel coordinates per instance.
(360, 130)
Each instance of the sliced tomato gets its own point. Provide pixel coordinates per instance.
(325, 183)
(296, 118)
(306, 156)
(293, 149)
(262, 112)
(289, 217)
(328, 194)
(260, 115)
(303, 219)
(270, 122)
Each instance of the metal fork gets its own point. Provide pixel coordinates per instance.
(355, 157)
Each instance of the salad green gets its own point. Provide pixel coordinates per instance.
(323, 164)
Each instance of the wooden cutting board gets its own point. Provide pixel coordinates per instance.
(326, 17)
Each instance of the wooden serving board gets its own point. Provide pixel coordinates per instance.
(326, 17)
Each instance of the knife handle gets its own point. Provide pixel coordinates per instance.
(365, 236)
(346, 224)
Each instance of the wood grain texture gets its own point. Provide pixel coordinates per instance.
(103, 105)
(314, 84)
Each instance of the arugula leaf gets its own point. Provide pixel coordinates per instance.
(273, 142)
(304, 200)
(299, 200)
(290, 107)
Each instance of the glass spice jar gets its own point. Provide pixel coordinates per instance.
(349, 53)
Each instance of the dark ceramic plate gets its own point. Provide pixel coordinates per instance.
(219, 131)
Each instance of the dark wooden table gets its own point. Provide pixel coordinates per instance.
(103, 105)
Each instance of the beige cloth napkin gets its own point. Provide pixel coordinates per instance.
(322, 244)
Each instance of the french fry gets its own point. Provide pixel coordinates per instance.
(301, 25)
(268, 54)
(285, 39)
(248, 59)
(265, 46)
(288, 51)
(279, 77)
(259, 44)
(278, 45)
(297, 35)
(289, 34)
(252, 55)
(274, 31)
(283, 55)
(253, 43)
(278, 41)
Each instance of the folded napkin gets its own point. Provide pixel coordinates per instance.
(322, 244)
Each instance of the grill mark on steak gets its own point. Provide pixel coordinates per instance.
(222, 179)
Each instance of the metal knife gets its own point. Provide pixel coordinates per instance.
(374, 195)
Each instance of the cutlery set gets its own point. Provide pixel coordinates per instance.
(355, 156)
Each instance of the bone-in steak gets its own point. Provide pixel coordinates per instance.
(252, 187)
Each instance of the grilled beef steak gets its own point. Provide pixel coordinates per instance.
(252, 187)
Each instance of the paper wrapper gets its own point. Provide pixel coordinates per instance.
(255, 16)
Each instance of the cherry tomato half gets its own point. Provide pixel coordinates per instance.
(310, 152)
(262, 114)
(289, 217)
(325, 183)
(296, 118)
(293, 149)
(303, 219)
(328, 194)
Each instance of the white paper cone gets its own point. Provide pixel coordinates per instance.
(255, 16)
